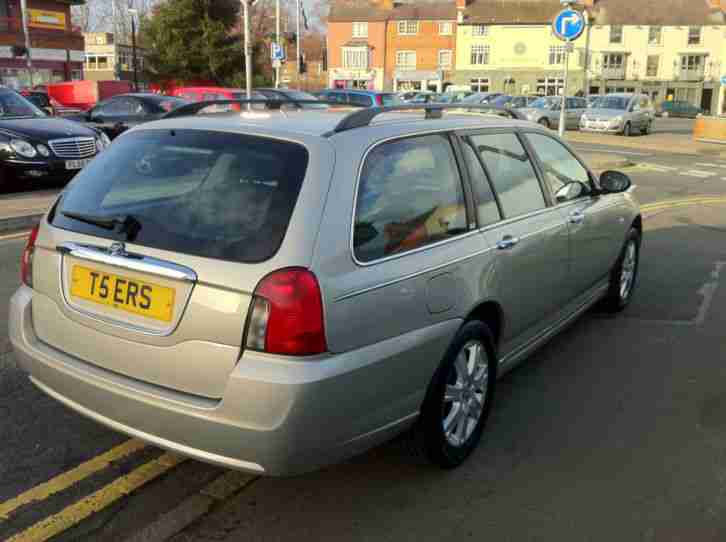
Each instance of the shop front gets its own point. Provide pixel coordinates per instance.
(412, 80)
(356, 79)
(49, 66)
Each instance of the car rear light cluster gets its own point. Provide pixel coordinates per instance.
(26, 262)
(287, 315)
(379, 99)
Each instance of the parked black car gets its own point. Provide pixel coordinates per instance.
(34, 146)
(116, 115)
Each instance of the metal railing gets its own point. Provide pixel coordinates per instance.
(693, 74)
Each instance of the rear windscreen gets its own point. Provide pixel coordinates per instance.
(209, 194)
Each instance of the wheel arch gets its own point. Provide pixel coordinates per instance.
(490, 313)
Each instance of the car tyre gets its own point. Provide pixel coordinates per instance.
(624, 275)
(458, 400)
(544, 122)
(647, 128)
(627, 130)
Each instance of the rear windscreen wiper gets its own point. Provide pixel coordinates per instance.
(126, 223)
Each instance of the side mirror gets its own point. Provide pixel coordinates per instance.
(614, 182)
(570, 191)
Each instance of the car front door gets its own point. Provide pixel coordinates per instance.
(594, 225)
(530, 241)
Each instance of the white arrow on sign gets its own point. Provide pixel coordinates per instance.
(574, 19)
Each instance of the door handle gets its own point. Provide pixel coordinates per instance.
(507, 242)
(577, 217)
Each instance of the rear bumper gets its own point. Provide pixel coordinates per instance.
(277, 417)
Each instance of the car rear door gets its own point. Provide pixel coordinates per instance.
(531, 240)
(595, 229)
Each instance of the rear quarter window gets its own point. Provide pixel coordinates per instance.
(208, 194)
(409, 196)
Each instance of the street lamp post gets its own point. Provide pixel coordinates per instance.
(133, 13)
(28, 45)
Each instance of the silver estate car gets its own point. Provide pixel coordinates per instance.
(276, 292)
(546, 111)
(625, 114)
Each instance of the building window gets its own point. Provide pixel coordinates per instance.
(550, 86)
(355, 58)
(408, 28)
(98, 62)
(694, 35)
(655, 35)
(616, 34)
(76, 75)
(479, 30)
(360, 30)
(613, 61)
(692, 62)
(479, 54)
(445, 59)
(557, 55)
(406, 60)
(479, 85)
(446, 29)
(652, 68)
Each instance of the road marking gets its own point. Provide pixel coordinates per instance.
(71, 477)
(613, 152)
(657, 167)
(195, 507)
(707, 164)
(104, 497)
(696, 200)
(697, 173)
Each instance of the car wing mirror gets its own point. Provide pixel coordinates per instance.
(614, 182)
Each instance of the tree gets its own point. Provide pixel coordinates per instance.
(192, 40)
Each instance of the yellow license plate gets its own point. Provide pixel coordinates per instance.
(122, 293)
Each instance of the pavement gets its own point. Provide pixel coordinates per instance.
(23, 210)
(616, 430)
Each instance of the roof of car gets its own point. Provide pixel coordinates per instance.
(357, 91)
(321, 123)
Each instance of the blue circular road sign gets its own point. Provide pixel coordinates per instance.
(568, 25)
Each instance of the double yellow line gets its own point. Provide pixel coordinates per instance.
(651, 208)
(80, 510)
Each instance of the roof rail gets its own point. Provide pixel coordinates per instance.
(270, 103)
(364, 117)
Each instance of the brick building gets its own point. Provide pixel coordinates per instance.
(387, 45)
(57, 48)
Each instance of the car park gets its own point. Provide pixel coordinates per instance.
(303, 285)
(625, 114)
(36, 147)
(514, 102)
(678, 109)
(452, 97)
(481, 97)
(121, 112)
(359, 98)
(424, 98)
(547, 110)
(291, 97)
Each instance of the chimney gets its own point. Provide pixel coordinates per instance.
(383, 4)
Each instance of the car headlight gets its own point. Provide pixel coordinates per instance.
(616, 120)
(43, 150)
(23, 148)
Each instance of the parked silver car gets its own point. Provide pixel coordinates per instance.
(276, 292)
(546, 111)
(624, 114)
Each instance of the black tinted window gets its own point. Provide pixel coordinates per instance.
(410, 195)
(512, 173)
(487, 210)
(361, 99)
(561, 168)
(203, 193)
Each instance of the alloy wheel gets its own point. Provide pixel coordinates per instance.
(465, 393)
(628, 268)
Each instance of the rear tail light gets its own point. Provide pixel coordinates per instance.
(287, 315)
(26, 263)
(379, 99)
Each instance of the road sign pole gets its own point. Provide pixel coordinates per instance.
(277, 40)
(564, 90)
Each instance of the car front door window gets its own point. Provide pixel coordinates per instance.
(561, 168)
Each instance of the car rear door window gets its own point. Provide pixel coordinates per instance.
(511, 172)
(204, 193)
(560, 166)
(486, 203)
(361, 99)
(409, 196)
